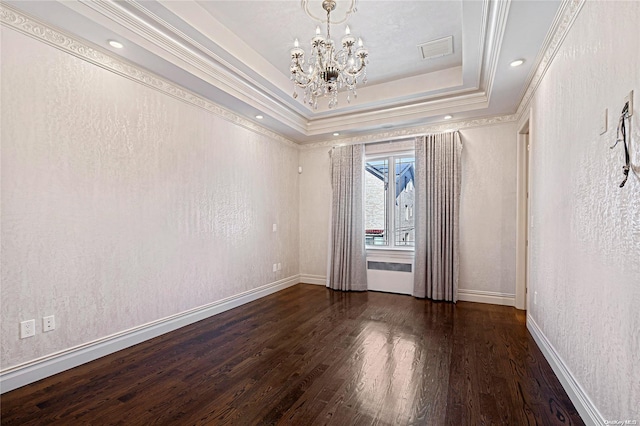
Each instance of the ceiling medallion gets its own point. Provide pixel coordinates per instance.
(328, 70)
(315, 10)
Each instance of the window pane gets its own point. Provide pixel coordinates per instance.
(376, 180)
(404, 222)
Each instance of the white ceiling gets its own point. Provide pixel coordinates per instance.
(236, 53)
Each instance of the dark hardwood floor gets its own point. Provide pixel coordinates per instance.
(308, 355)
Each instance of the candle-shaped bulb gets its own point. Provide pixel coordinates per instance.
(296, 44)
(318, 30)
(347, 30)
(359, 42)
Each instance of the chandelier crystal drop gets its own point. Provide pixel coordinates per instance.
(327, 71)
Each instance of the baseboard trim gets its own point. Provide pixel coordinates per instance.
(32, 371)
(313, 279)
(463, 295)
(490, 297)
(588, 411)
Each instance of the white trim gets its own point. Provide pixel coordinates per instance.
(490, 297)
(313, 279)
(40, 368)
(587, 409)
(412, 132)
(401, 253)
(412, 112)
(522, 210)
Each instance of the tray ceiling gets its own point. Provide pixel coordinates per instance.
(236, 53)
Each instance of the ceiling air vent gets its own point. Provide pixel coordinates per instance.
(436, 48)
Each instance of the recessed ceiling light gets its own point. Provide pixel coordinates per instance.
(116, 44)
(517, 62)
(448, 117)
(259, 117)
(336, 134)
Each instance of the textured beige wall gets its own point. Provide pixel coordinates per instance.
(585, 240)
(122, 205)
(488, 209)
(315, 210)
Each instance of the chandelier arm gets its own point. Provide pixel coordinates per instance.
(299, 71)
(357, 72)
(302, 85)
(342, 57)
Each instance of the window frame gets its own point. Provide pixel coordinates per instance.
(391, 157)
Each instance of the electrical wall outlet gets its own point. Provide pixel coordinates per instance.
(48, 323)
(274, 227)
(275, 267)
(279, 266)
(27, 328)
(535, 297)
(629, 98)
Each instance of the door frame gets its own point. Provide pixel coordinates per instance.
(523, 196)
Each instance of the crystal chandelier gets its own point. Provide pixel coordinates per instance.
(327, 71)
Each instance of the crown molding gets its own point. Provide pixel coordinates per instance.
(495, 21)
(565, 18)
(415, 111)
(414, 131)
(496, 35)
(567, 14)
(173, 44)
(218, 63)
(474, 98)
(96, 56)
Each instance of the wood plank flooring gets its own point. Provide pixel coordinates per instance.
(311, 356)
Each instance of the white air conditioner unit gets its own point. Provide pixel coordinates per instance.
(393, 274)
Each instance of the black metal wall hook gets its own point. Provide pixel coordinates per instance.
(621, 136)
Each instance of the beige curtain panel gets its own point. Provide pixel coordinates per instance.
(347, 256)
(437, 201)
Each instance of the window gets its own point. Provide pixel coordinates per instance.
(389, 211)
